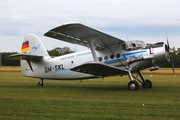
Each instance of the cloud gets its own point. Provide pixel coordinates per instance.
(116, 17)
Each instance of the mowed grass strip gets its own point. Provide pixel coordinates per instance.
(106, 99)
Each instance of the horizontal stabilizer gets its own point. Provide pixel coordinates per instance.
(99, 69)
(24, 57)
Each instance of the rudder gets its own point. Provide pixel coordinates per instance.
(32, 45)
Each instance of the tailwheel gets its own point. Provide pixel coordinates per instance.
(41, 83)
(133, 85)
(147, 84)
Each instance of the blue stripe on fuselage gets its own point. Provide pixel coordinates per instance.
(124, 56)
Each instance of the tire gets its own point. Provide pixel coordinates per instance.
(40, 83)
(147, 84)
(133, 85)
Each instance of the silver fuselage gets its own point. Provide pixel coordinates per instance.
(60, 67)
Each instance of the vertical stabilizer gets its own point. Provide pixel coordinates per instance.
(32, 45)
(32, 55)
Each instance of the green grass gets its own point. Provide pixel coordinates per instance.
(108, 99)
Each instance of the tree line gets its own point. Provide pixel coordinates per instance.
(54, 52)
(66, 50)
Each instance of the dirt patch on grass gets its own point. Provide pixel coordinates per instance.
(177, 72)
(10, 69)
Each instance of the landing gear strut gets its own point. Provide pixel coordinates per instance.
(133, 84)
(145, 83)
(41, 82)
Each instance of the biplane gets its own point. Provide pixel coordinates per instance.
(106, 56)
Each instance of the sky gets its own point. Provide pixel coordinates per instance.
(145, 20)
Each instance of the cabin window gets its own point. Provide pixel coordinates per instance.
(133, 45)
(112, 56)
(106, 58)
(118, 55)
(100, 59)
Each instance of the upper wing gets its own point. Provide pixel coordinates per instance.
(99, 69)
(81, 34)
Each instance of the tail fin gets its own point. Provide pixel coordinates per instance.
(32, 45)
(32, 52)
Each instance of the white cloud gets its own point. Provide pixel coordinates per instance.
(139, 17)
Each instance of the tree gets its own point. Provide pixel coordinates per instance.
(7, 62)
(176, 59)
(55, 52)
(65, 50)
(60, 51)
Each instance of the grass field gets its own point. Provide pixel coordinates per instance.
(108, 99)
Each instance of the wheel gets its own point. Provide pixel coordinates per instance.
(40, 83)
(133, 85)
(147, 84)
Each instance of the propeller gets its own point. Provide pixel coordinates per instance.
(170, 51)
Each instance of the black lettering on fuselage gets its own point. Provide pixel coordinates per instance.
(48, 69)
(58, 67)
(53, 68)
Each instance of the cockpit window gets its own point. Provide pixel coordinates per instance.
(134, 45)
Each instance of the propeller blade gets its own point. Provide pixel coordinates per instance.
(172, 64)
(168, 46)
(170, 53)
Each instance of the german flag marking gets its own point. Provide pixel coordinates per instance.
(25, 47)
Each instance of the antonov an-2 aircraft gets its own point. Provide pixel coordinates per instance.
(107, 56)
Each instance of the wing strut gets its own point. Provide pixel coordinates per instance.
(29, 65)
(92, 50)
(111, 52)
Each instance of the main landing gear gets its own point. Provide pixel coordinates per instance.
(41, 82)
(133, 84)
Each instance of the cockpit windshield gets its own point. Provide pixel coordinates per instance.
(134, 45)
